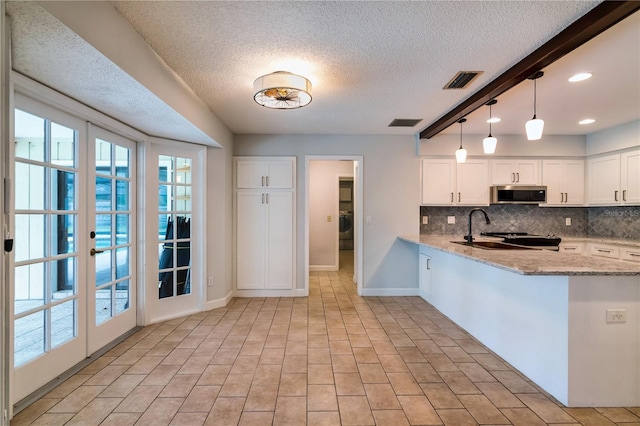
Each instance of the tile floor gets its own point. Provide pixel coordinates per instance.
(328, 359)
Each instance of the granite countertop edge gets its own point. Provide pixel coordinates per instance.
(527, 262)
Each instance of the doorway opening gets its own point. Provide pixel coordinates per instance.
(333, 213)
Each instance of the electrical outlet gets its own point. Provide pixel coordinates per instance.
(329, 218)
(368, 219)
(210, 281)
(616, 315)
(451, 220)
(425, 220)
(567, 221)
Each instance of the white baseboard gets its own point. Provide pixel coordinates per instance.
(413, 291)
(323, 268)
(218, 303)
(298, 292)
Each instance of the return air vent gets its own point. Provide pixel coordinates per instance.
(462, 79)
(404, 122)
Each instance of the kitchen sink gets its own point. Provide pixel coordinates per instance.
(493, 245)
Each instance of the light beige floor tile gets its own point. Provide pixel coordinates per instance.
(323, 418)
(319, 356)
(160, 412)
(390, 418)
(252, 348)
(355, 410)
(95, 412)
(418, 410)
(195, 365)
(162, 349)
(272, 356)
(161, 375)
(188, 419)
(322, 398)
(35, 410)
(262, 398)
(589, 416)
(372, 373)
(139, 399)
(256, 418)
(225, 356)
(483, 410)
(424, 373)
(268, 374)
(293, 385)
(349, 384)
(200, 399)
(294, 364)
(381, 396)
(621, 415)
(121, 419)
(456, 417)
(236, 385)
(290, 410)
(179, 386)
(440, 396)
(393, 363)
(246, 364)
(76, 400)
(545, 409)
(52, 419)
(344, 364)
(320, 374)
(178, 356)
(123, 386)
(68, 386)
(512, 381)
(522, 417)
(499, 395)
(404, 384)
(459, 383)
(145, 365)
(107, 375)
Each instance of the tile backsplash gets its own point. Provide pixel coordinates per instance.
(605, 222)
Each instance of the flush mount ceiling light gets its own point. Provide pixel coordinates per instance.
(580, 77)
(535, 125)
(587, 121)
(489, 143)
(282, 90)
(461, 153)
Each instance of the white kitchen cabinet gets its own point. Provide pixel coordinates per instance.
(524, 171)
(424, 274)
(447, 183)
(630, 253)
(564, 180)
(265, 172)
(604, 250)
(264, 224)
(614, 179)
(571, 247)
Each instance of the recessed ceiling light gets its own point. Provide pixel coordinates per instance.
(587, 121)
(494, 120)
(580, 77)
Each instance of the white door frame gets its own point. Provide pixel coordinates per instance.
(357, 214)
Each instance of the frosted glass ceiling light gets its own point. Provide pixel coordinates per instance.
(461, 153)
(489, 143)
(535, 125)
(580, 77)
(282, 90)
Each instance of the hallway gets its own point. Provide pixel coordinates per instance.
(328, 359)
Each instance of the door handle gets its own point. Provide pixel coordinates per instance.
(428, 266)
(93, 252)
(517, 177)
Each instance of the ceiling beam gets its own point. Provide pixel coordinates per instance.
(594, 22)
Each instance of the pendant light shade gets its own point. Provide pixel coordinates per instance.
(534, 126)
(282, 90)
(489, 143)
(461, 153)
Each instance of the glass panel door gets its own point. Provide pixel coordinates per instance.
(111, 227)
(48, 311)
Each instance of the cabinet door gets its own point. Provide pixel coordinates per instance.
(279, 271)
(630, 177)
(438, 182)
(280, 174)
(527, 172)
(502, 172)
(250, 240)
(473, 183)
(424, 275)
(574, 182)
(604, 180)
(553, 172)
(251, 174)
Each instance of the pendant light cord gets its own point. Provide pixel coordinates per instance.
(535, 97)
(490, 120)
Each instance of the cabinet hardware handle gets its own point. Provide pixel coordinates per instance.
(566, 197)
(458, 197)
(630, 254)
(569, 248)
(624, 195)
(262, 181)
(262, 198)
(615, 195)
(513, 177)
(267, 180)
(452, 197)
(428, 266)
(604, 251)
(93, 252)
(267, 198)
(562, 197)
(517, 177)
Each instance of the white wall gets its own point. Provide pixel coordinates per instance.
(323, 203)
(615, 138)
(391, 192)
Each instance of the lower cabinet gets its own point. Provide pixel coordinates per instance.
(424, 274)
(264, 239)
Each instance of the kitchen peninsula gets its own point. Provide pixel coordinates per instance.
(570, 323)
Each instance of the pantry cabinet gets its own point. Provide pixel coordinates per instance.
(264, 223)
(524, 171)
(447, 183)
(614, 179)
(564, 180)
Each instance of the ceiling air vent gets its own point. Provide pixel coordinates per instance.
(462, 79)
(404, 122)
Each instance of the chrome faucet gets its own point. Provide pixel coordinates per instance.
(469, 238)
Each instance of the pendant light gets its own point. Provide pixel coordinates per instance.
(535, 125)
(489, 143)
(461, 153)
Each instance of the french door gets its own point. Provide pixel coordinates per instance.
(74, 268)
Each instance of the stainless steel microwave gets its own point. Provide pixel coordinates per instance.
(516, 194)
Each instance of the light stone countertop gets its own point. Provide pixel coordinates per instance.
(529, 262)
(615, 242)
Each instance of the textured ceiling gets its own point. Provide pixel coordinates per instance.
(369, 62)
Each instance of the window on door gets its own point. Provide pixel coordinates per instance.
(45, 294)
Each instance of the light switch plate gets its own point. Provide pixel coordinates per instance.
(425, 220)
(451, 220)
(567, 221)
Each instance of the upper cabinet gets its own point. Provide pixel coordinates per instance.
(614, 179)
(564, 180)
(263, 173)
(447, 183)
(524, 171)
